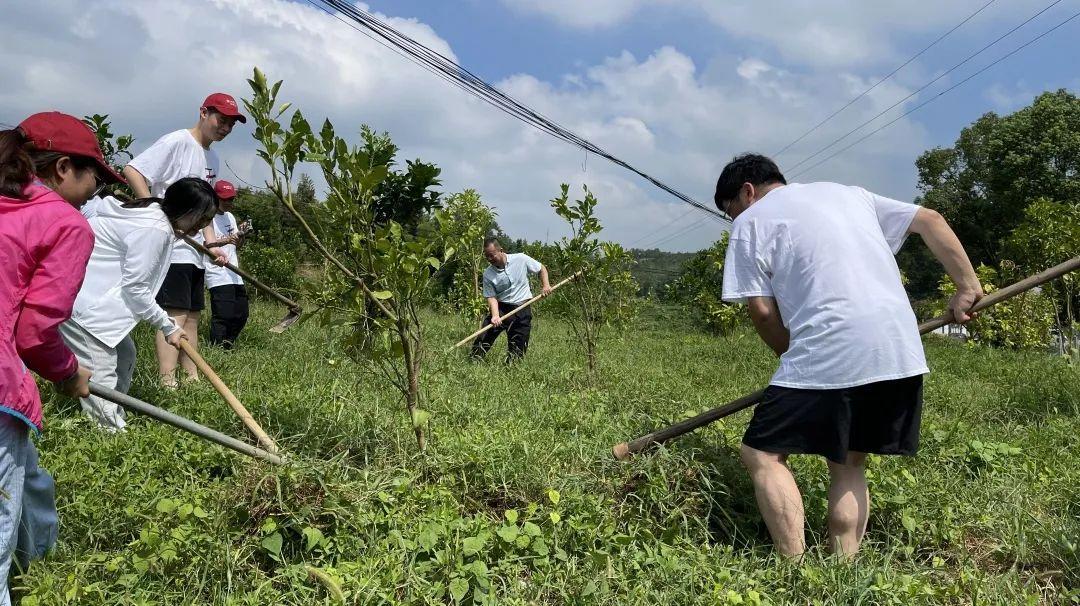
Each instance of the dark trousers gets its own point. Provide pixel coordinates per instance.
(517, 330)
(228, 313)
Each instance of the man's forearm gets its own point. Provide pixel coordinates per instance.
(765, 315)
(137, 182)
(493, 307)
(775, 335)
(946, 248)
(544, 277)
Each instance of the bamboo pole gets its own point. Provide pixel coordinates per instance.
(169, 418)
(623, 450)
(226, 393)
(517, 309)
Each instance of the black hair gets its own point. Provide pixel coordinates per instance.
(188, 197)
(755, 169)
(19, 163)
(489, 241)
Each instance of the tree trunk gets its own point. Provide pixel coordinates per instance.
(412, 372)
(590, 350)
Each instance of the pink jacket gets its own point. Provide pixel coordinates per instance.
(44, 246)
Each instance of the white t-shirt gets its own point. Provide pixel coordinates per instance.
(129, 262)
(511, 283)
(825, 252)
(173, 157)
(223, 225)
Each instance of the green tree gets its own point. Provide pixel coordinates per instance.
(603, 295)
(471, 220)
(115, 148)
(699, 289)
(1050, 234)
(378, 273)
(1023, 322)
(998, 166)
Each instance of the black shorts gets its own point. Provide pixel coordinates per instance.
(879, 418)
(183, 288)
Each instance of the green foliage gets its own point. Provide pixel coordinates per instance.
(273, 251)
(603, 295)
(1023, 322)
(1050, 234)
(520, 466)
(998, 167)
(115, 149)
(699, 289)
(379, 271)
(470, 220)
(656, 269)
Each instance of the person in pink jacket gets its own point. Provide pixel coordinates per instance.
(49, 166)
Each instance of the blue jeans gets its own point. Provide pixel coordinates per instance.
(28, 523)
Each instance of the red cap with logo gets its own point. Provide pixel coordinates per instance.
(224, 189)
(225, 105)
(54, 131)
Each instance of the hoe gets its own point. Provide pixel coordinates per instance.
(624, 450)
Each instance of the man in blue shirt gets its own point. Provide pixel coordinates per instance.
(506, 286)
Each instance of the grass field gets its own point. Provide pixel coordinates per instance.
(518, 500)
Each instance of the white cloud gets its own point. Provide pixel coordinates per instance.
(1007, 98)
(149, 65)
(805, 32)
(590, 14)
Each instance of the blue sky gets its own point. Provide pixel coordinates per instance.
(675, 86)
(495, 41)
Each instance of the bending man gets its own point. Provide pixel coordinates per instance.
(815, 264)
(506, 286)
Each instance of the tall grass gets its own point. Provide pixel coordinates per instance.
(518, 501)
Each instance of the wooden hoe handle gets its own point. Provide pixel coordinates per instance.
(231, 399)
(623, 450)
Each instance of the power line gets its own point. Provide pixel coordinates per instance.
(678, 234)
(890, 75)
(937, 96)
(650, 233)
(922, 88)
(450, 71)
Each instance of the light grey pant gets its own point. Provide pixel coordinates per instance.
(109, 366)
(28, 523)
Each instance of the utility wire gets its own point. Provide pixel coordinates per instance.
(937, 96)
(450, 71)
(890, 75)
(921, 88)
(678, 234)
(651, 233)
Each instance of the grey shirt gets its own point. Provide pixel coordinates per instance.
(511, 283)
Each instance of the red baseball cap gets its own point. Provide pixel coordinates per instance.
(225, 105)
(54, 131)
(224, 189)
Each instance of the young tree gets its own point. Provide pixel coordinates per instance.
(379, 273)
(472, 221)
(1023, 322)
(603, 296)
(115, 148)
(1048, 235)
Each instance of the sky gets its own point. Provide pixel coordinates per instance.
(675, 87)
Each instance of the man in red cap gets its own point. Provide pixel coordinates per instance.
(228, 297)
(179, 154)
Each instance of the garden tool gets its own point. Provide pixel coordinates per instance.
(517, 309)
(135, 405)
(625, 449)
(226, 393)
